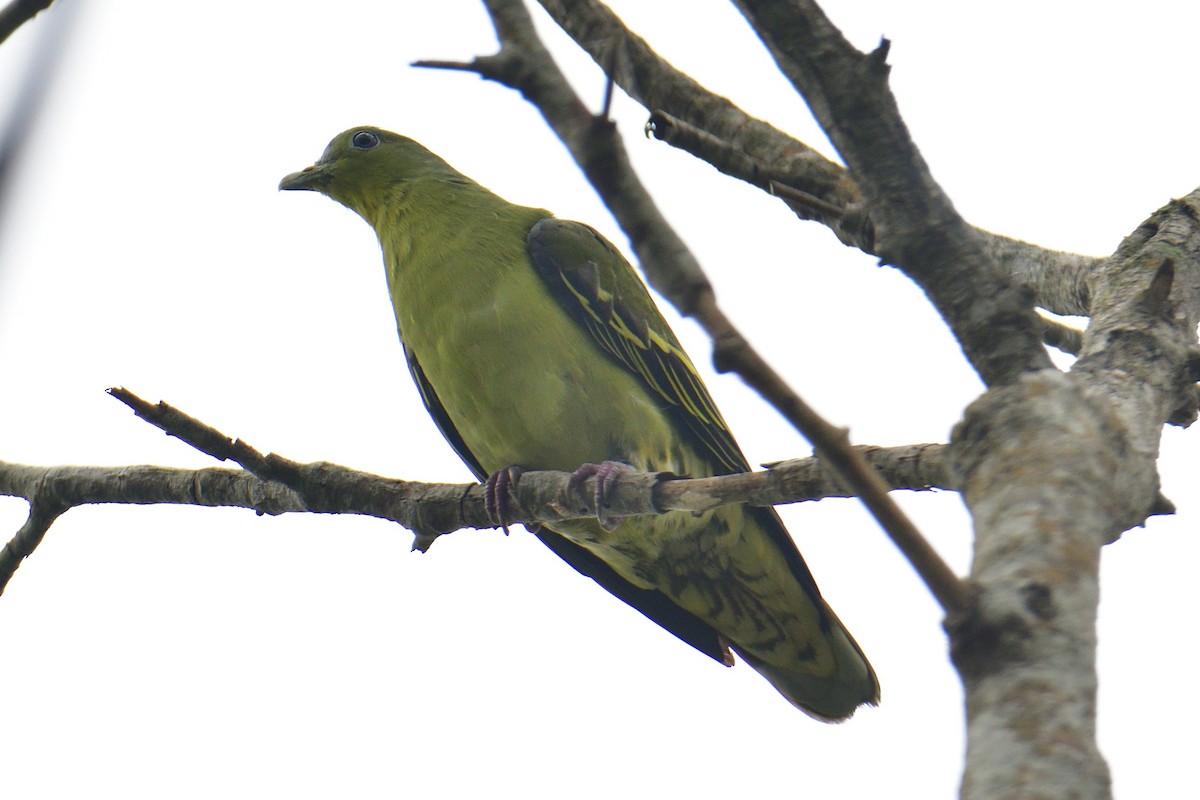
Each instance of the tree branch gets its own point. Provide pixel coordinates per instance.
(684, 111)
(916, 226)
(42, 514)
(545, 496)
(272, 484)
(1052, 468)
(686, 115)
(832, 443)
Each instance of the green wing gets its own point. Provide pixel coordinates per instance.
(597, 287)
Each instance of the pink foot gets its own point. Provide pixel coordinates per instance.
(605, 474)
(495, 495)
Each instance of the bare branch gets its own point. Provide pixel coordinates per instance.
(1052, 468)
(70, 486)
(41, 516)
(916, 226)
(688, 116)
(1059, 281)
(833, 444)
(545, 496)
(1142, 337)
(428, 509)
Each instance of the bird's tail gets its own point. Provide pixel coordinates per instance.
(831, 698)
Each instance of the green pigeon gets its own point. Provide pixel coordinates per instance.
(535, 346)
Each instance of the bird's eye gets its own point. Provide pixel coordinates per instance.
(364, 140)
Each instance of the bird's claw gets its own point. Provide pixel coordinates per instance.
(495, 495)
(606, 474)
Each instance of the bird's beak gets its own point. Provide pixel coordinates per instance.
(312, 179)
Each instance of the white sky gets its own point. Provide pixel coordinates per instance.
(189, 652)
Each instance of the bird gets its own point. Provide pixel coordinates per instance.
(535, 346)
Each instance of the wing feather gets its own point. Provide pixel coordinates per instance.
(598, 288)
(595, 285)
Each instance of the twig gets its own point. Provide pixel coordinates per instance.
(321, 487)
(736, 162)
(833, 444)
(41, 516)
(804, 199)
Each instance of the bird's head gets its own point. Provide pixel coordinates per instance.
(362, 165)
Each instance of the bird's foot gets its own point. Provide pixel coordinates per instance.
(495, 495)
(606, 474)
